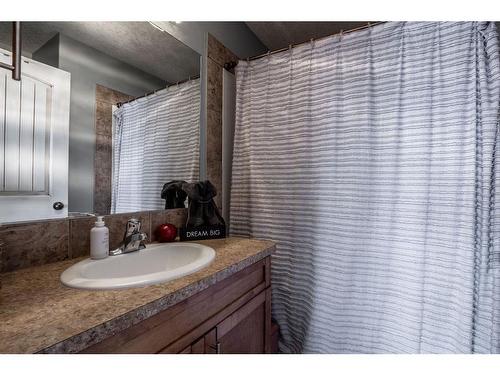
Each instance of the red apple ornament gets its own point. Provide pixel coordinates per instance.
(166, 232)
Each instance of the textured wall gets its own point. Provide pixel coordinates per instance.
(105, 98)
(217, 55)
(237, 36)
(48, 241)
(228, 123)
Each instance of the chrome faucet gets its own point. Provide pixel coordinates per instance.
(133, 239)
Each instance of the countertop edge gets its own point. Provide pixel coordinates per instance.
(96, 334)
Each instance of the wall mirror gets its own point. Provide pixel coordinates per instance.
(104, 115)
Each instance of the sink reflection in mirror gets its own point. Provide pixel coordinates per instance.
(155, 264)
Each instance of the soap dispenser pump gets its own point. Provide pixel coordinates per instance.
(99, 240)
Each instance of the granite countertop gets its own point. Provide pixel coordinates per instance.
(39, 314)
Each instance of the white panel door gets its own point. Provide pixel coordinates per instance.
(34, 126)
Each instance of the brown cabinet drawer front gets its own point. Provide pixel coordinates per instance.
(244, 332)
(154, 334)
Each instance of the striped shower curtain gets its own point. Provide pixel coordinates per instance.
(155, 140)
(370, 159)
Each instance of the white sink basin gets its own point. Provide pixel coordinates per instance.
(155, 264)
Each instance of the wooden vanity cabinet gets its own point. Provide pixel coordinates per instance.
(243, 332)
(231, 316)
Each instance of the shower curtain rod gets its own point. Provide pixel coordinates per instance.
(369, 24)
(155, 91)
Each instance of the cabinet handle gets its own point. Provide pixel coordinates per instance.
(217, 348)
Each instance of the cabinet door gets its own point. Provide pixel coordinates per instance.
(198, 347)
(247, 331)
(204, 345)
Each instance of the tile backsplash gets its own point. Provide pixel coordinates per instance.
(105, 98)
(39, 242)
(217, 56)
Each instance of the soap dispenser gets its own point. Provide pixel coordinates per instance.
(99, 240)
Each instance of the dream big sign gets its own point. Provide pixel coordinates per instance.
(202, 232)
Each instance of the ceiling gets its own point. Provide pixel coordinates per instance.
(276, 35)
(156, 52)
(137, 43)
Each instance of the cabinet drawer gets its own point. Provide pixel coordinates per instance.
(163, 329)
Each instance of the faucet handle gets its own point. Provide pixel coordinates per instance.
(138, 237)
(133, 239)
(133, 226)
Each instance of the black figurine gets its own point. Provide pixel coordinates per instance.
(201, 206)
(173, 194)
